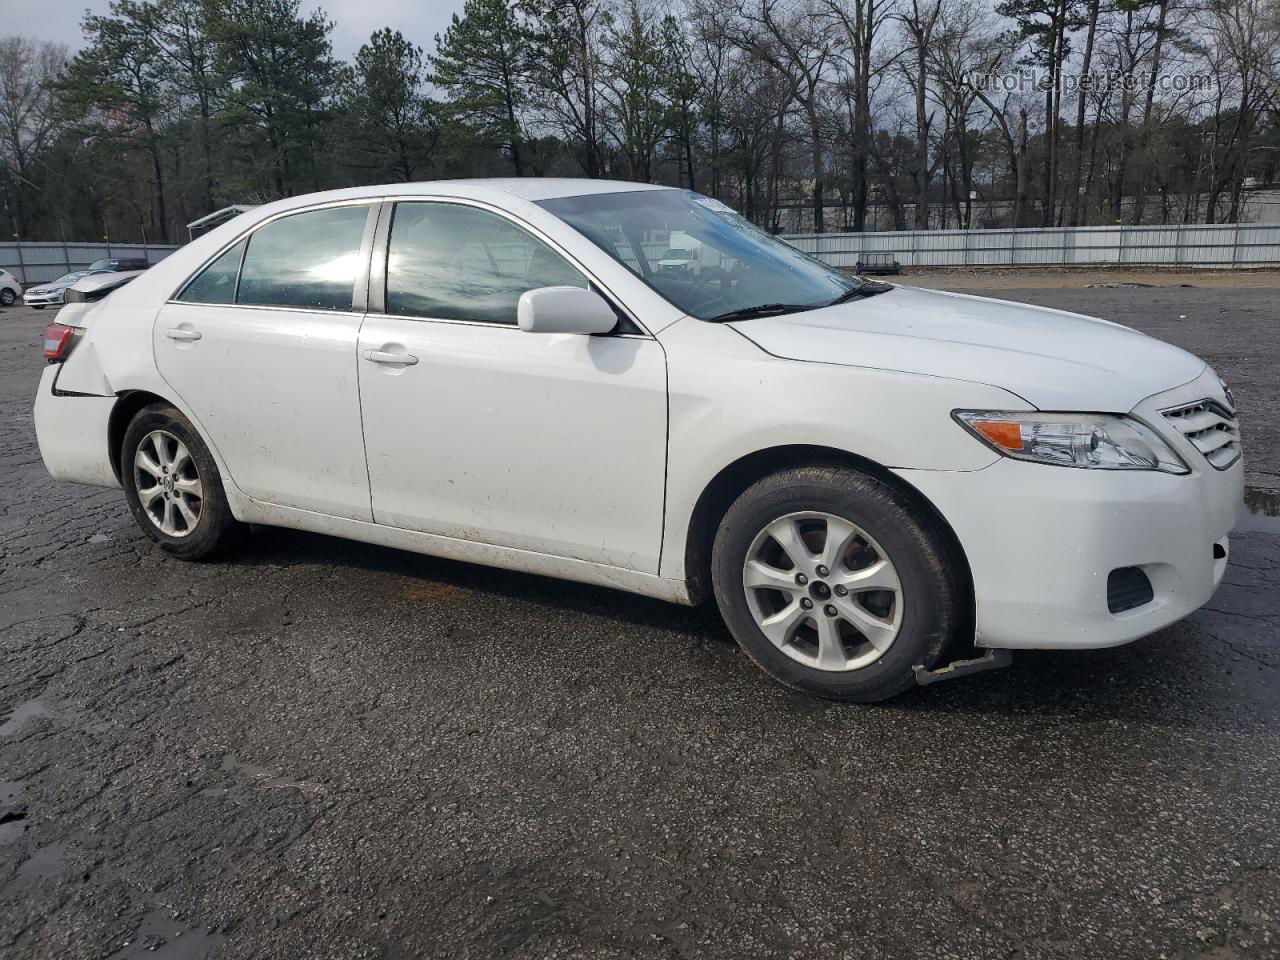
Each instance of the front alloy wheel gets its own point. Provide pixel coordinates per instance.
(823, 591)
(837, 583)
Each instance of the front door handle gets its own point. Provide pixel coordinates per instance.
(180, 333)
(384, 356)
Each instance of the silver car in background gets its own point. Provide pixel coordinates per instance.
(51, 294)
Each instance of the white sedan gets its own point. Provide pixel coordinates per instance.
(10, 289)
(878, 485)
(50, 294)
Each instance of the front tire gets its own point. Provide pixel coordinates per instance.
(173, 487)
(835, 583)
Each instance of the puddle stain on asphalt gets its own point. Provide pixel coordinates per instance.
(1261, 511)
(24, 712)
(258, 776)
(160, 934)
(13, 812)
(44, 862)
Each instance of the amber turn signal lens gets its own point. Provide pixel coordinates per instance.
(1002, 433)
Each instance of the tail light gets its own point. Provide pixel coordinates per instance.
(57, 341)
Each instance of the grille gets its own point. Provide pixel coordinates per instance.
(1127, 589)
(1211, 428)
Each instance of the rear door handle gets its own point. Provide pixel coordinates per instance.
(178, 333)
(383, 356)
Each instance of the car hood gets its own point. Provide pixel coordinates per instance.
(1053, 359)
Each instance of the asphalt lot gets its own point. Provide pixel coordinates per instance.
(328, 750)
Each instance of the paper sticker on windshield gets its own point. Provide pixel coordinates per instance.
(711, 204)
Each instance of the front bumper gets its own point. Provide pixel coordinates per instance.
(53, 299)
(1042, 540)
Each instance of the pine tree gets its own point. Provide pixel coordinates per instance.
(482, 62)
(280, 67)
(390, 119)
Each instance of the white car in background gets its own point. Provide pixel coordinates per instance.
(10, 289)
(50, 294)
(870, 480)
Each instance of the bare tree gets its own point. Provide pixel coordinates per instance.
(860, 22)
(635, 72)
(1240, 38)
(28, 117)
(919, 18)
(566, 73)
(795, 41)
(953, 57)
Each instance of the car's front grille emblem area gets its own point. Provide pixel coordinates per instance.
(1211, 428)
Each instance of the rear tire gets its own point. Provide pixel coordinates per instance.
(7, 297)
(836, 583)
(173, 487)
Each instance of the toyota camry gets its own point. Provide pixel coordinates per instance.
(879, 486)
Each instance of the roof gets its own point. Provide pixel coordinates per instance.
(529, 189)
(547, 188)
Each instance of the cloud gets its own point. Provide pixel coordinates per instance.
(354, 20)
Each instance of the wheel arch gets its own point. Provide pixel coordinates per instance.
(127, 405)
(727, 485)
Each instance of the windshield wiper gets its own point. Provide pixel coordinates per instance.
(761, 310)
(868, 288)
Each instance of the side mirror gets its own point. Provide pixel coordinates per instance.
(564, 310)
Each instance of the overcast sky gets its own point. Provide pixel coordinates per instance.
(354, 20)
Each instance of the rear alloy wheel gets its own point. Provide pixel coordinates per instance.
(173, 487)
(836, 583)
(7, 297)
(168, 483)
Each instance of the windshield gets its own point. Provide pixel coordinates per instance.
(72, 277)
(699, 254)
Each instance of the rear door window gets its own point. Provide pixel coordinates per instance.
(308, 260)
(216, 283)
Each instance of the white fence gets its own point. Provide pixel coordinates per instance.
(1190, 246)
(42, 262)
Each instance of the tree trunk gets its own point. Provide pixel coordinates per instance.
(157, 168)
(1144, 138)
(815, 131)
(921, 217)
(1020, 173)
(1073, 219)
(688, 154)
(516, 159)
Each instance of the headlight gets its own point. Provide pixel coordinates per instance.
(1100, 441)
(1226, 392)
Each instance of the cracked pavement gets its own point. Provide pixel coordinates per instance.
(327, 750)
